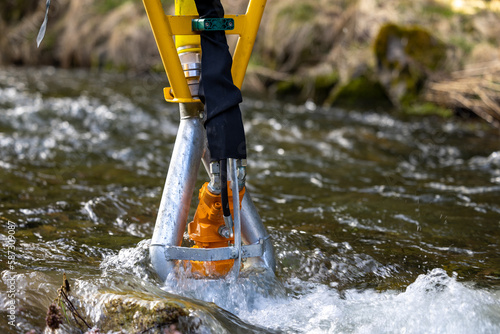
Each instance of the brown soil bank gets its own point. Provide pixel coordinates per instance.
(361, 53)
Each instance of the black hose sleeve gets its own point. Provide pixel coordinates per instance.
(224, 124)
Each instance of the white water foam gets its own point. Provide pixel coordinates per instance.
(434, 303)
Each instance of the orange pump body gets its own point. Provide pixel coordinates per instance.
(204, 231)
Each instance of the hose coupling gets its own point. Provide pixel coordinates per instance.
(241, 166)
(190, 58)
(215, 183)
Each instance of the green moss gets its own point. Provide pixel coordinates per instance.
(380, 46)
(405, 57)
(326, 81)
(289, 90)
(424, 109)
(435, 9)
(418, 43)
(299, 89)
(323, 85)
(140, 316)
(425, 48)
(413, 80)
(103, 62)
(361, 92)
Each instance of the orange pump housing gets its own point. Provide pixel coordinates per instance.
(204, 231)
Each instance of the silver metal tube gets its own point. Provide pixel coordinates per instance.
(179, 186)
(253, 230)
(236, 214)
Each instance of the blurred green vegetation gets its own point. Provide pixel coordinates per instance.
(319, 50)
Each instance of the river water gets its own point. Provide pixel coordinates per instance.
(382, 223)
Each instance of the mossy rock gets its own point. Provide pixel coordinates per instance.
(405, 58)
(418, 45)
(313, 87)
(288, 90)
(361, 92)
(138, 315)
(323, 86)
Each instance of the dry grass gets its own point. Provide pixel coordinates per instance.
(477, 88)
(78, 35)
(297, 39)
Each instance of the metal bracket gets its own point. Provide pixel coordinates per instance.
(212, 254)
(212, 24)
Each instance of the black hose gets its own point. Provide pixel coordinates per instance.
(224, 125)
(223, 191)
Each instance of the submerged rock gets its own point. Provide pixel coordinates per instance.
(137, 315)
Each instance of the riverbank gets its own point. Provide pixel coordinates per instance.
(352, 54)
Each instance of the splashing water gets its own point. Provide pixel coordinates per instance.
(362, 207)
(433, 303)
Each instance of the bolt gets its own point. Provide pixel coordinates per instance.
(224, 232)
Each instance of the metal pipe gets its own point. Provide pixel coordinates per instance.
(179, 186)
(253, 230)
(236, 214)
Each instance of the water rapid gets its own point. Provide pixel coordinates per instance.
(382, 222)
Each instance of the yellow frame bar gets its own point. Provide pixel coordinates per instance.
(165, 27)
(246, 41)
(168, 53)
(184, 8)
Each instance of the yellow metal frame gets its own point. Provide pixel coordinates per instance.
(165, 27)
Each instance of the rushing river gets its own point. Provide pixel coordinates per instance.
(381, 223)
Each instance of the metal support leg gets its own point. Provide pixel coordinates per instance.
(236, 215)
(253, 231)
(179, 186)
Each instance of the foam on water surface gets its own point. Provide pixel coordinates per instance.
(434, 303)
